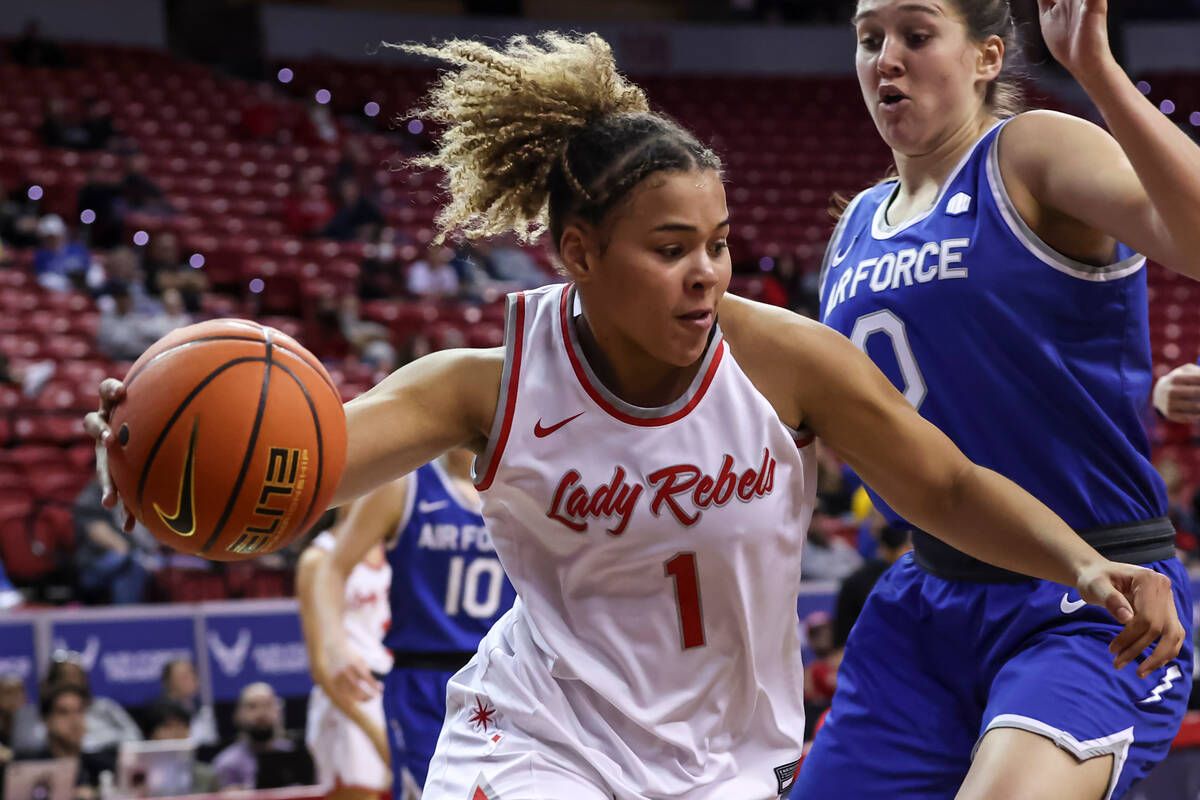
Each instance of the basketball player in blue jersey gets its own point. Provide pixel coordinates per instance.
(1177, 394)
(999, 282)
(447, 590)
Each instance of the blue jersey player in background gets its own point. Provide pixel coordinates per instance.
(998, 282)
(448, 588)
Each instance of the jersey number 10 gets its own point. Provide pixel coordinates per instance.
(462, 587)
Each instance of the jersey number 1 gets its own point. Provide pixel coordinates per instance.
(682, 569)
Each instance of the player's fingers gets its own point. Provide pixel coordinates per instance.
(1168, 648)
(1128, 636)
(112, 391)
(1139, 645)
(1106, 594)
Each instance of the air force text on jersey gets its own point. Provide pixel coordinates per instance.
(932, 261)
(448, 536)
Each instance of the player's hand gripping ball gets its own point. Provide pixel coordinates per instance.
(230, 440)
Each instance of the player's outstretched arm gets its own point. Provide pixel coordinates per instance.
(814, 375)
(1139, 185)
(1177, 394)
(321, 577)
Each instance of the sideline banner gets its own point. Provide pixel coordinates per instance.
(244, 648)
(125, 657)
(18, 656)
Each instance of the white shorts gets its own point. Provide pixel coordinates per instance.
(342, 754)
(513, 732)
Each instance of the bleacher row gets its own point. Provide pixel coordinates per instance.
(789, 143)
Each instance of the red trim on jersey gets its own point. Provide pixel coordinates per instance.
(598, 397)
(510, 400)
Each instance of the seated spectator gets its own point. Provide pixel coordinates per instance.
(307, 209)
(370, 341)
(19, 217)
(97, 123)
(165, 269)
(64, 708)
(140, 193)
(29, 378)
(112, 565)
(61, 127)
(318, 127)
(31, 50)
(827, 556)
(107, 723)
(170, 315)
(506, 261)
(123, 334)
(167, 720)
(354, 213)
(259, 722)
(434, 276)
(123, 271)
(60, 264)
(14, 714)
(181, 686)
(101, 194)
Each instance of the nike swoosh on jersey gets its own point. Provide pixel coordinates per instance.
(1070, 607)
(541, 431)
(840, 257)
(427, 507)
(183, 520)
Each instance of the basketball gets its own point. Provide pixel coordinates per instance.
(231, 439)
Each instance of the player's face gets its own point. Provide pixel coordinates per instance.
(919, 70)
(666, 265)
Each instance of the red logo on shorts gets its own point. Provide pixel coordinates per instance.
(482, 791)
(482, 715)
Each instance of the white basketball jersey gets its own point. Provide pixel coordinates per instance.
(656, 554)
(367, 611)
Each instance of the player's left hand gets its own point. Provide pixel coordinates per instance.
(1076, 33)
(1177, 394)
(1143, 601)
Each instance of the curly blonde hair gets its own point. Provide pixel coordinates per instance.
(535, 130)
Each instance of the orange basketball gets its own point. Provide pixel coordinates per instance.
(231, 439)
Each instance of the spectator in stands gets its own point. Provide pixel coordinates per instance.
(164, 269)
(122, 270)
(97, 123)
(30, 378)
(507, 262)
(101, 195)
(107, 722)
(170, 315)
(12, 701)
(124, 333)
(112, 565)
(31, 50)
(60, 264)
(138, 192)
(181, 687)
(61, 127)
(65, 708)
(370, 341)
(852, 594)
(827, 555)
(355, 215)
(433, 277)
(259, 721)
(167, 720)
(19, 215)
(317, 126)
(381, 274)
(307, 209)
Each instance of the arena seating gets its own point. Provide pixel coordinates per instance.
(789, 144)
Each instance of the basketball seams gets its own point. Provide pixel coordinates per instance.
(316, 492)
(192, 395)
(253, 440)
(129, 379)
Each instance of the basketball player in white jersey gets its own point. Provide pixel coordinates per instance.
(647, 477)
(349, 747)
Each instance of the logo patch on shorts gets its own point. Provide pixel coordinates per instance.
(483, 715)
(482, 791)
(785, 776)
(1174, 673)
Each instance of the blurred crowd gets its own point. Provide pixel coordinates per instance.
(69, 721)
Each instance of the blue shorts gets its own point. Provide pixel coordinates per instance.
(414, 705)
(933, 664)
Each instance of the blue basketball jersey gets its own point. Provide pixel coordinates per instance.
(1036, 365)
(447, 584)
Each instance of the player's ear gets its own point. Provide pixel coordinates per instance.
(577, 250)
